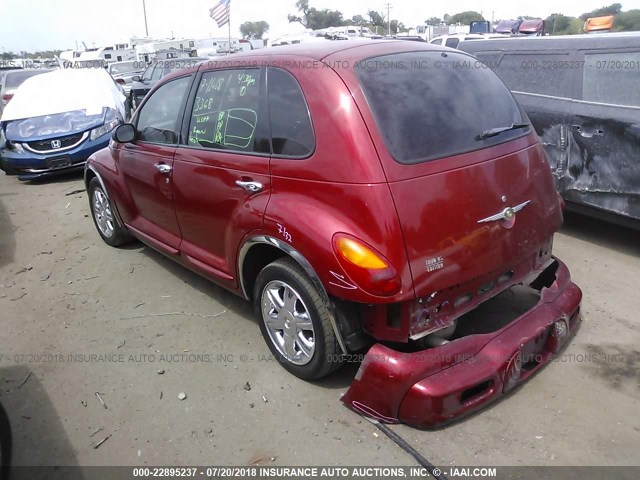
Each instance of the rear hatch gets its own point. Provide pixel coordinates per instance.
(472, 188)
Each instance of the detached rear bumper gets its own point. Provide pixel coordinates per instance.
(438, 385)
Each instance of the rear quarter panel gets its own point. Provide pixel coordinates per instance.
(341, 187)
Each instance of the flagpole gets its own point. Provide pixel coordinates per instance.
(229, 25)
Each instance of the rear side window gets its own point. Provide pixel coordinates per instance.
(430, 105)
(541, 73)
(291, 131)
(226, 110)
(437, 41)
(612, 78)
(452, 42)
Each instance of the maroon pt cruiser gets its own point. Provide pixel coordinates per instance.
(366, 197)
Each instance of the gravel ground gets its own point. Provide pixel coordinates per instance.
(158, 330)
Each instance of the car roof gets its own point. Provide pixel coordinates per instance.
(349, 50)
(600, 40)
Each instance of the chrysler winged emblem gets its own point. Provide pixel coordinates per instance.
(506, 214)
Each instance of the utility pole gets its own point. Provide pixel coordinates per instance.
(388, 5)
(144, 9)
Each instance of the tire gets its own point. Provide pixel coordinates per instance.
(6, 445)
(295, 321)
(133, 103)
(103, 218)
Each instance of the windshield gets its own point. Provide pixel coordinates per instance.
(506, 25)
(430, 105)
(15, 79)
(123, 68)
(67, 123)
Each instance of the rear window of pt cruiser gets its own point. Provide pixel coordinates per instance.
(430, 105)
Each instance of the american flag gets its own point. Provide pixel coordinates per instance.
(220, 12)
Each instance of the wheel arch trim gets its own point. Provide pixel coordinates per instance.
(300, 260)
(95, 172)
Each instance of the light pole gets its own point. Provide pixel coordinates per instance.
(389, 18)
(144, 9)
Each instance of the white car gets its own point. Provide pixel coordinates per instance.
(452, 41)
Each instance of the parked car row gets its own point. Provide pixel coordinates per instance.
(141, 84)
(57, 119)
(359, 209)
(123, 73)
(53, 124)
(10, 80)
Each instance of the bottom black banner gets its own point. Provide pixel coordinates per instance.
(322, 472)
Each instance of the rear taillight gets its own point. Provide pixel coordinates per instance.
(121, 81)
(513, 371)
(366, 267)
(557, 336)
(6, 97)
(561, 202)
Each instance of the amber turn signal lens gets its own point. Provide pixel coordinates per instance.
(359, 255)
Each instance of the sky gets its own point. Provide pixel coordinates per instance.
(33, 25)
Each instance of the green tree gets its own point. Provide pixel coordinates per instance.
(612, 9)
(316, 19)
(558, 24)
(435, 21)
(465, 18)
(397, 27)
(254, 30)
(358, 20)
(377, 19)
(627, 21)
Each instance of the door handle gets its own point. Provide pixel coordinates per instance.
(253, 187)
(163, 167)
(588, 132)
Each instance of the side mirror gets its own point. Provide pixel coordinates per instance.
(136, 78)
(125, 133)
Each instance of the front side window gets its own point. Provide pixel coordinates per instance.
(226, 111)
(430, 105)
(291, 131)
(146, 76)
(612, 78)
(158, 117)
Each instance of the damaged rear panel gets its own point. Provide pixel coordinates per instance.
(582, 97)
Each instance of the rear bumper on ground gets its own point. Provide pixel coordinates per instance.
(435, 386)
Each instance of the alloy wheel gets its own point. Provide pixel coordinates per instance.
(288, 322)
(102, 213)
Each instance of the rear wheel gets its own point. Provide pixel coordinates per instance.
(106, 224)
(295, 321)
